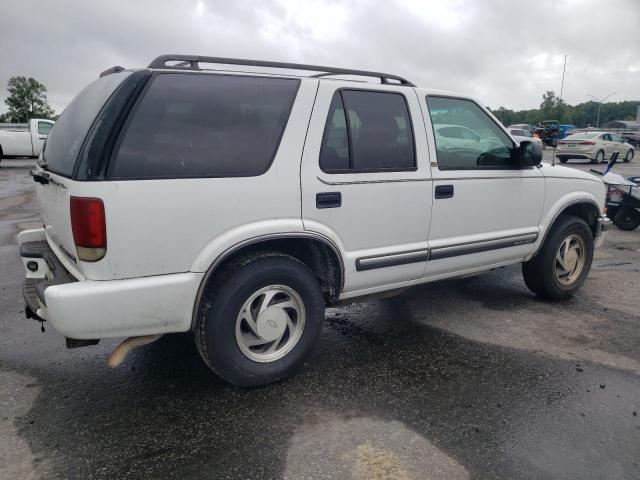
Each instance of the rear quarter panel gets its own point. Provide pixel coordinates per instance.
(157, 227)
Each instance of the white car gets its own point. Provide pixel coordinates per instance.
(521, 134)
(185, 197)
(595, 146)
(23, 139)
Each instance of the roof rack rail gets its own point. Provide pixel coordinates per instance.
(111, 70)
(192, 62)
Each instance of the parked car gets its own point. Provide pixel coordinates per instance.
(23, 139)
(595, 146)
(566, 130)
(520, 135)
(237, 205)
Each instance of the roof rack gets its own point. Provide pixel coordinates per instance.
(192, 62)
(111, 70)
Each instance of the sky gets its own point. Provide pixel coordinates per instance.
(503, 52)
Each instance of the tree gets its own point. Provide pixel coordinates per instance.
(27, 99)
(549, 101)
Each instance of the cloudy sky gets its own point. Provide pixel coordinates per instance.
(505, 52)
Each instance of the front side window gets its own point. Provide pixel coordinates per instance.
(367, 132)
(201, 125)
(44, 127)
(466, 137)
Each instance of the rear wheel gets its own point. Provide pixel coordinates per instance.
(629, 156)
(627, 219)
(564, 260)
(260, 319)
(599, 157)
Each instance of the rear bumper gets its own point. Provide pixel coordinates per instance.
(91, 309)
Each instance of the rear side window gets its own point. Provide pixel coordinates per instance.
(44, 128)
(197, 125)
(68, 133)
(367, 132)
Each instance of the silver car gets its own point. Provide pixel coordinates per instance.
(594, 146)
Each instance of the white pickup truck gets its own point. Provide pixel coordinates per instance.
(23, 139)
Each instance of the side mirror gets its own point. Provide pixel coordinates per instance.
(529, 154)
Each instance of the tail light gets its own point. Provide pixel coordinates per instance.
(89, 228)
(562, 143)
(587, 143)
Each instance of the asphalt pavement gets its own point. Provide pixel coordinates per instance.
(465, 379)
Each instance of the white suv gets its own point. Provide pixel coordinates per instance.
(238, 205)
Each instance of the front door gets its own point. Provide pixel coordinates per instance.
(486, 209)
(366, 182)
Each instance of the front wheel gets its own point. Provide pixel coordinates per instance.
(260, 319)
(627, 219)
(629, 156)
(563, 262)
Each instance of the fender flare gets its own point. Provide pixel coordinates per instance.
(563, 206)
(256, 240)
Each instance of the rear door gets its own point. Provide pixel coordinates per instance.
(486, 210)
(609, 145)
(366, 182)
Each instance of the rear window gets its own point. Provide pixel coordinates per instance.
(68, 133)
(202, 125)
(582, 136)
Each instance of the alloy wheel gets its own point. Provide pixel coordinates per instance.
(270, 323)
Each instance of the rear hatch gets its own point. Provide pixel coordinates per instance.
(58, 164)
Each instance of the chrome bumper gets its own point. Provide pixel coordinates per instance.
(603, 225)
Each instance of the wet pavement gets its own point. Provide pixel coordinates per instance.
(465, 379)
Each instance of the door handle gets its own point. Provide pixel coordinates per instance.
(444, 191)
(328, 200)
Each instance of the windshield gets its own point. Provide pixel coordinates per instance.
(66, 137)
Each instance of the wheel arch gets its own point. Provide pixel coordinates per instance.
(316, 251)
(585, 208)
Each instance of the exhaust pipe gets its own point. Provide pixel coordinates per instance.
(121, 351)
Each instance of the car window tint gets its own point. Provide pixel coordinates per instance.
(367, 132)
(334, 154)
(44, 127)
(68, 133)
(195, 125)
(466, 137)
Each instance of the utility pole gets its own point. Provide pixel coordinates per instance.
(600, 102)
(564, 69)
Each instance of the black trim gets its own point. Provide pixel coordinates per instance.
(391, 259)
(140, 98)
(467, 248)
(192, 62)
(350, 145)
(98, 145)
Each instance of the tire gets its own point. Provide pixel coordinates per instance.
(627, 219)
(223, 335)
(563, 160)
(629, 156)
(599, 157)
(541, 273)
